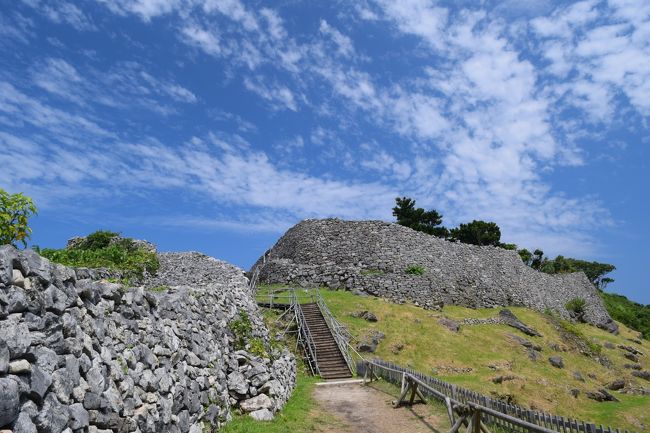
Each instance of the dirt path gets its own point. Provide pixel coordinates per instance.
(362, 409)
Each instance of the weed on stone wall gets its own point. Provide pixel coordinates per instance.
(415, 270)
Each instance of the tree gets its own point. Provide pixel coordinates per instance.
(596, 272)
(15, 211)
(526, 256)
(478, 233)
(538, 260)
(418, 219)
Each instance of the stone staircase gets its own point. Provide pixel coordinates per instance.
(329, 358)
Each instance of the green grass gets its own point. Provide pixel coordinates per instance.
(371, 272)
(415, 270)
(97, 251)
(162, 288)
(488, 352)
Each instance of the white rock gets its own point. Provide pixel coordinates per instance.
(262, 415)
(17, 278)
(261, 401)
(19, 367)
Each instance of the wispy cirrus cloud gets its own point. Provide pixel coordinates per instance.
(125, 85)
(62, 12)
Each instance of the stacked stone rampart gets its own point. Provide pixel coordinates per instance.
(373, 256)
(83, 355)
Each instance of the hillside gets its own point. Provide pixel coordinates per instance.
(396, 262)
(479, 353)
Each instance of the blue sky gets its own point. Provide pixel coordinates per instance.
(216, 125)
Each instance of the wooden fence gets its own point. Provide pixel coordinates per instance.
(504, 416)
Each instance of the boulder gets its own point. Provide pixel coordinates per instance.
(642, 374)
(556, 361)
(527, 344)
(369, 342)
(449, 324)
(4, 357)
(365, 315)
(24, 424)
(237, 383)
(509, 318)
(262, 415)
(630, 349)
(261, 401)
(632, 357)
(633, 366)
(9, 401)
(20, 366)
(601, 395)
(79, 417)
(616, 385)
(501, 379)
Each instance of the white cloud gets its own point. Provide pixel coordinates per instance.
(206, 40)
(145, 9)
(609, 55)
(62, 12)
(280, 97)
(125, 85)
(343, 43)
(421, 18)
(15, 27)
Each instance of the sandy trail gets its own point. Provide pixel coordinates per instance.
(363, 409)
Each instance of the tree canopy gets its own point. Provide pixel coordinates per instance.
(15, 211)
(417, 218)
(478, 233)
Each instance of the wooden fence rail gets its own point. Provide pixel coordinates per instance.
(473, 409)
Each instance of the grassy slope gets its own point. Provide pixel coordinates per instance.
(429, 346)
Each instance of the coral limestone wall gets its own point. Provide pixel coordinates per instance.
(84, 355)
(373, 256)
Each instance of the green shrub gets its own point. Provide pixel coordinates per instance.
(242, 328)
(257, 348)
(415, 270)
(96, 240)
(97, 251)
(15, 211)
(630, 313)
(577, 306)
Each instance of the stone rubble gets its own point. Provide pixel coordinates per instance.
(78, 354)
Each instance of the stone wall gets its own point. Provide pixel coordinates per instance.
(83, 355)
(372, 257)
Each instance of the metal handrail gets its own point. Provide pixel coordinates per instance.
(252, 284)
(308, 342)
(341, 334)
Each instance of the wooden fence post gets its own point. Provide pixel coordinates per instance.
(476, 421)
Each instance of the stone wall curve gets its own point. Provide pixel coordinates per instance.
(372, 256)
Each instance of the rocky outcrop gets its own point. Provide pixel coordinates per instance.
(83, 355)
(372, 257)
